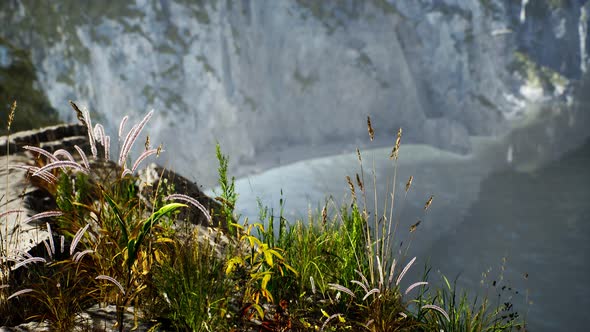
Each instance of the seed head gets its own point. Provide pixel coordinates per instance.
(409, 183)
(395, 151)
(11, 115)
(359, 182)
(427, 205)
(371, 131)
(351, 186)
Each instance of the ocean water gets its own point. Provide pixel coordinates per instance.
(517, 208)
(539, 222)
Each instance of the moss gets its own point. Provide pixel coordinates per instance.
(305, 81)
(364, 61)
(58, 21)
(235, 37)
(334, 15)
(485, 101)
(555, 4)
(173, 100)
(148, 93)
(165, 48)
(251, 103)
(65, 79)
(18, 81)
(172, 71)
(386, 7)
(489, 5)
(536, 75)
(208, 68)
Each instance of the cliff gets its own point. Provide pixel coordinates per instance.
(260, 76)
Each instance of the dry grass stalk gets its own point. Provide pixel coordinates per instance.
(11, 115)
(360, 183)
(414, 226)
(395, 151)
(371, 131)
(351, 186)
(79, 114)
(427, 205)
(409, 183)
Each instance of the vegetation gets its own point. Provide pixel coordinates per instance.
(110, 244)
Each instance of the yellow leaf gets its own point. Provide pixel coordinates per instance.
(232, 263)
(267, 295)
(259, 310)
(290, 268)
(305, 324)
(265, 280)
(260, 227)
(277, 254)
(233, 224)
(268, 258)
(325, 313)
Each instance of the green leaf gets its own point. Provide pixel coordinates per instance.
(259, 310)
(118, 216)
(131, 254)
(265, 280)
(154, 219)
(268, 258)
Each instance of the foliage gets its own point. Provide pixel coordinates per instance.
(228, 196)
(335, 271)
(475, 314)
(193, 291)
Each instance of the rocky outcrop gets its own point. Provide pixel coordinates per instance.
(96, 319)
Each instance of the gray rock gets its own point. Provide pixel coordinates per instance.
(264, 75)
(96, 319)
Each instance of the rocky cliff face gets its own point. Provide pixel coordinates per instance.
(256, 75)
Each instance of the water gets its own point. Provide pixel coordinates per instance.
(539, 221)
(521, 197)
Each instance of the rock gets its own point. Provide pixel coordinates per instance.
(18, 81)
(258, 76)
(96, 318)
(151, 174)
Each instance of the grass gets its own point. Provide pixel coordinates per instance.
(110, 244)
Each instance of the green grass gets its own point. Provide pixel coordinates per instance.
(335, 271)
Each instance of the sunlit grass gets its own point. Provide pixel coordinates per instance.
(110, 244)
